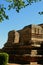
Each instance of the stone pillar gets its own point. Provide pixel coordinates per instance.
(13, 37)
(16, 39)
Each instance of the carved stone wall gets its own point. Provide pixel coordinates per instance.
(30, 33)
(18, 48)
(25, 34)
(13, 36)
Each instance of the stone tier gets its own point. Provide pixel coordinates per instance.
(24, 54)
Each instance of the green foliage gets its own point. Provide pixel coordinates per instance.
(18, 4)
(15, 4)
(41, 13)
(3, 58)
(2, 13)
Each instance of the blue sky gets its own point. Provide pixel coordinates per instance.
(26, 16)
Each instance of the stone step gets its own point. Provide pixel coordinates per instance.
(32, 55)
(36, 45)
(34, 63)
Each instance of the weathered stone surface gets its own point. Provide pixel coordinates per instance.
(30, 33)
(25, 34)
(16, 39)
(13, 36)
(40, 25)
(25, 44)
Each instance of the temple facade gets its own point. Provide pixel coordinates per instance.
(25, 45)
(30, 33)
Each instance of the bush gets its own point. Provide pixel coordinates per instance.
(3, 58)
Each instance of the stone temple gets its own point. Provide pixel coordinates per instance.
(25, 46)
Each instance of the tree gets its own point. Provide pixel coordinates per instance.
(15, 4)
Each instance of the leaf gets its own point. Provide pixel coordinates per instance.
(41, 13)
(9, 0)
